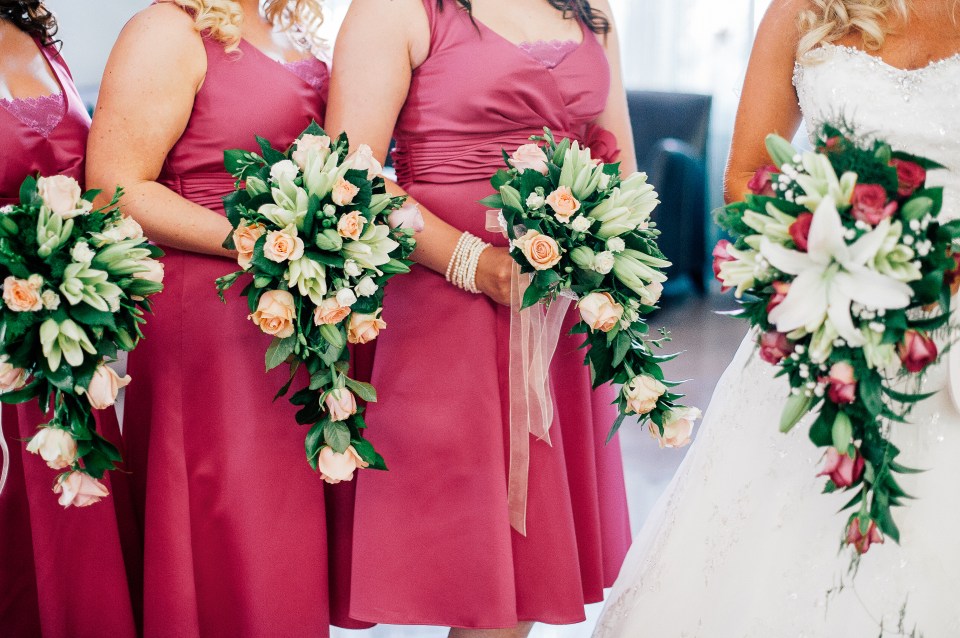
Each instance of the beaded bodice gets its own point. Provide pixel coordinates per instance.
(916, 110)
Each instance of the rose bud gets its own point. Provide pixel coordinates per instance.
(79, 489)
(642, 394)
(335, 467)
(780, 290)
(861, 541)
(56, 446)
(842, 470)
(677, 428)
(599, 311)
(843, 385)
(762, 183)
(917, 351)
(341, 404)
(720, 256)
(800, 230)
(104, 387)
(774, 347)
(910, 176)
(870, 204)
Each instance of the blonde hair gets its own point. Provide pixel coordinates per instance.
(831, 20)
(222, 19)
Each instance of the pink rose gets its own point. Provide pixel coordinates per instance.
(335, 467)
(860, 541)
(309, 145)
(330, 311)
(364, 328)
(843, 385)
(407, 216)
(642, 394)
(79, 489)
(104, 386)
(343, 192)
(283, 245)
(275, 313)
(870, 204)
(60, 193)
(677, 428)
(55, 446)
(245, 238)
(762, 182)
(11, 378)
(910, 176)
(600, 311)
(842, 470)
(563, 203)
(341, 404)
(530, 157)
(350, 225)
(780, 290)
(800, 230)
(721, 255)
(541, 251)
(23, 295)
(917, 351)
(774, 347)
(363, 160)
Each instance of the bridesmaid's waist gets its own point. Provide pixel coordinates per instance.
(205, 189)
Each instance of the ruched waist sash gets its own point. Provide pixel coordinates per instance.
(203, 189)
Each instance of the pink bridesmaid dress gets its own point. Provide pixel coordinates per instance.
(432, 540)
(62, 571)
(234, 520)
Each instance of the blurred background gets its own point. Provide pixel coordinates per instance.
(683, 64)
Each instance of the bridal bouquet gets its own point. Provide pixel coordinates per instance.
(312, 226)
(581, 232)
(842, 267)
(75, 288)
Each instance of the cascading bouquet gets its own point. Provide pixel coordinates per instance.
(582, 232)
(75, 288)
(313, 228)
(842, 267)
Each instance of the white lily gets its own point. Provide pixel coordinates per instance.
(775, 224)
(831, 275)
(821, 181)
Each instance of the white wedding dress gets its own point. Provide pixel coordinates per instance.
(743, 544)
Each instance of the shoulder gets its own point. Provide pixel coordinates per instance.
(779, 32)
(164, 27)
(391, 24)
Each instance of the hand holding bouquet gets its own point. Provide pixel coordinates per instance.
(835, 255)
(75, 288)
(581, 232)
(311, 226)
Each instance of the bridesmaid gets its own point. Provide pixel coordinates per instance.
(61, 570)
(233, 518)
(455, 83)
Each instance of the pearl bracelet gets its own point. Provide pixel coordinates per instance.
(462, 269)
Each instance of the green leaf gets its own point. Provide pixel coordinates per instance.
(279, 351)
(368, 454)
(616, 427)
(493, 201)
(532, 296)
(363, 390)
(314, 443)
(620, 348)
(286, 386)
(90, 316)
(544, 279)
(337, 435)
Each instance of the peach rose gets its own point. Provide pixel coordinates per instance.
(677, 427)
(600, 311)
(350, 225)
(563, 203)
(308, 145)
(55, 446)
(153, 273)
(23, 295)
(60, 193)
(330, 311)
(104, 386)
(275, 313)
(341, 404)
(11, 378)
(530, 157)
(343, 192)
(79, 489)
(245, 238)
(541, 251)
(642, 394)
(363, 160)
(335, 467)
(364, 328)
(283, 245)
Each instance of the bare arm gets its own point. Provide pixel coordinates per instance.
(365, 101)
(616, 117)
(768, 103)
(151, 80)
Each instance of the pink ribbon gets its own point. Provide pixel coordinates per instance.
(534, 334)
(5, 452)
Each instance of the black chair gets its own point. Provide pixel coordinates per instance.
(670, 133)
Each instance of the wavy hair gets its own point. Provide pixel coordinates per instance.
(595, 20)
(31, 17)
(831, 20)
(222, 19)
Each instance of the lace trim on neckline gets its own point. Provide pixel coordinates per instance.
(550, 53)
(42, 113)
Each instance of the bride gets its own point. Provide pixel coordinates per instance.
(742, 544)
